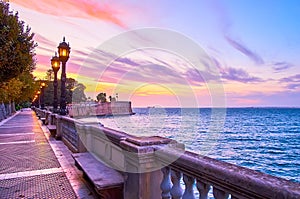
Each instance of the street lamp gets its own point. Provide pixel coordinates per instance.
(63, 52)
(42, 95)
(55, 63)
(39, 96)
(34, 100)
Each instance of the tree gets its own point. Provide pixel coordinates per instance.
(28, 88)
(70, 86)
(25, 85)
(101, 97)
(17, 61)
(16, 45)
(78, 94)
(11, 90)
(49, 74)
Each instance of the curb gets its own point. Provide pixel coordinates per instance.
(9, 118)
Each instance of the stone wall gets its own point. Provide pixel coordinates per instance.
(100, 109)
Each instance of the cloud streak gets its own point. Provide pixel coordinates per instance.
(281, 66)
(239, 75)
(76, 8)
(293, 82)
(245, 50)
(293, 78)
(235, 74)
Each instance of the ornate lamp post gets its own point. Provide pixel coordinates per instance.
(63, 52)
(42, 95)
(35, 101)
(39, 100)
(55, 63)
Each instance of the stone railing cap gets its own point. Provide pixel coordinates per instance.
(147, 141)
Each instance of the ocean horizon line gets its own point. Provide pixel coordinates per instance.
(237, 107)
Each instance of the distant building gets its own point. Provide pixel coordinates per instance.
(100, 109)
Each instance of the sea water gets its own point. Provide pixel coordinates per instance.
(263, 139)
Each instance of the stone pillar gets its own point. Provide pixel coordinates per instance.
(58, 127)
(143, 171)
(135, 157)
(84, 138)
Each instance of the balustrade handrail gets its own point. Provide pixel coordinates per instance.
(239, 181)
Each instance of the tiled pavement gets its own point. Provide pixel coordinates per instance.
(35, 165)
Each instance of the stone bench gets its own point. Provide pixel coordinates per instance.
(107, 182)
(52, 129)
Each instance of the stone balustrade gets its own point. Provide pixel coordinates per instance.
(40, 113)
(53, 119)
(67, 131)
(223, 178)
(157, 167)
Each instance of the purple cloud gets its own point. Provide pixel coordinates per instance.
(80, 53)
(246, 51)
(293, 82)
(43, 40)
(234, 74)
(99, 57)
(239, 75)
(281, 66)
(161, 61)
(128, 61)
(156, 72)
(293, 86)
(161, 71)
(293, 78)
(197, 77)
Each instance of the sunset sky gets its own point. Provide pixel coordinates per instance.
(253, 45)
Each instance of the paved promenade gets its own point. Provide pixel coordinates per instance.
(34, 165)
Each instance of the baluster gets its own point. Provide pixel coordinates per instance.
(176, 191)
(203, 189)
(189, 191)
(166, 184)
(219, 194)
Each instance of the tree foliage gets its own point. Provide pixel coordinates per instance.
(49, 74)
(74, 92)
(78, 94)
(29, 87)
(16, 45)
(101, 97)
(11, 90)
(16, 58)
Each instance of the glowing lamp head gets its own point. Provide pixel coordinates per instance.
(39, 92)
(43, 84)
(55, 63)
(63, 51)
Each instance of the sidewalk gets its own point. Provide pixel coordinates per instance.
(34, 165)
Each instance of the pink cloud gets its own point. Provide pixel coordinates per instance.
(76, 8)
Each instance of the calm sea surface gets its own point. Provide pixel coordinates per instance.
(263, 139)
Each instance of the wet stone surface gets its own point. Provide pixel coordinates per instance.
(29, 167)
(54, 185)
(24, 148)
